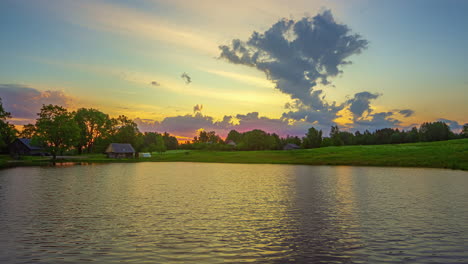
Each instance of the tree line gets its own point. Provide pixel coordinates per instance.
(88, 130)
(260, 140)
(85, 130)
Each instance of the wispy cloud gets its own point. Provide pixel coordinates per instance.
(121, 19)
(244, 78)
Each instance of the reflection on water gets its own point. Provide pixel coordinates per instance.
(211, 213)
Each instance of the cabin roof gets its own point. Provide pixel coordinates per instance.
(27, 143)
(120, 148)
(291, 146)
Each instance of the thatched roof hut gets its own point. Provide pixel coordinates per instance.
(291, 146)
(120, 150)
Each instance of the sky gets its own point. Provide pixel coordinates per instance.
(281, 66)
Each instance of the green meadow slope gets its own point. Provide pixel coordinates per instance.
(452, 154)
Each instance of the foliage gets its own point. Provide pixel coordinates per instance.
(207, 137)
(28, 131)
(7, 130)
(313, 138)
(434, 131)
(92, 124)
(56, 129)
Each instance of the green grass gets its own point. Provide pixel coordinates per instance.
(452, 154)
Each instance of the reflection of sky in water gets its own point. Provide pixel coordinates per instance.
(180, 212)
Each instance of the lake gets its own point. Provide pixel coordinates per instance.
(218, 213)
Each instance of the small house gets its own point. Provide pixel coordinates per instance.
(291, 146)
(231, 143)
(23, 147)
(120, 150)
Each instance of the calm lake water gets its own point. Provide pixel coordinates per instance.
(217, 213)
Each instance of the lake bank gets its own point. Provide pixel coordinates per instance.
(452, 154)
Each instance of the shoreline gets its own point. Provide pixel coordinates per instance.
(452, 154)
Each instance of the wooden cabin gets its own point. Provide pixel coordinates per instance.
(120, 151)
(291, 146)
(23, 147)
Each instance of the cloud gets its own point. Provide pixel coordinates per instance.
(187, 125)
(376, 121)
(360, 104)
(123, 20)
(155, 83)
(25, 102)
(296, 55)
(454, 125)
(197, 108)
(187, 79)
(406, 112)
(244, 78)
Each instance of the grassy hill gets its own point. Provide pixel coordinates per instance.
(442, 154)
(452, 154)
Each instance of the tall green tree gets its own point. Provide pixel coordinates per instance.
(313, 138)
(93, 124)
(56, 129)
(170, 141)
(7, 130)
(234, 136)
(335, 136)
(124, 130)
(435, 131)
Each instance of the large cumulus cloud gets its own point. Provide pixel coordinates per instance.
(25, 102)
(297, 55)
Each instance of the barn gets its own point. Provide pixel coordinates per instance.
(23, 147)
(120, 150)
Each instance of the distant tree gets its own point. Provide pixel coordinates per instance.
(313, 138)
(170, 141)
(234, 136)
(92, 124)
(28, 131)
(464, 132)
(56, 129)
(434, 131)
(124, 130)
(257, 140)
(207, 137)
(347, 138)
(153, 141)
(412, 135)
(335, 136)
(326, 142)
(291, 140)
(7, 130)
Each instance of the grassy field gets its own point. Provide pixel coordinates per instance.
(451, 154)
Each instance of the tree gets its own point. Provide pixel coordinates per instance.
(335, 136)
(207, 137)
(313, 138)
(93, 124)
(29, 130)
(234, 136)
(126, 131)
(153, 141)
(434, 131)
(169, 141)
(7, 130)
(465, 130)
(56, 129)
